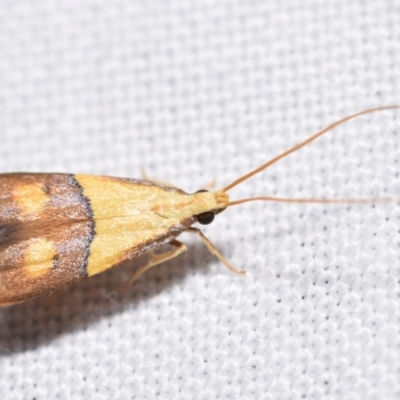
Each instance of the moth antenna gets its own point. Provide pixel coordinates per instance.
(317, 201)
(299, 146)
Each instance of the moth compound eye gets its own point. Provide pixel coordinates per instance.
(205, 218)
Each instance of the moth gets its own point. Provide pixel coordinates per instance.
(56, 229)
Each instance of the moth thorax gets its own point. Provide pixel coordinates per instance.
(191, 205)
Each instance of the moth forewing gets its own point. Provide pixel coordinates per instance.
(57, 228)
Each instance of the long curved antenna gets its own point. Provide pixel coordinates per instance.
(304, 143)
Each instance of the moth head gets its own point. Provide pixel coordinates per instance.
(207, 217)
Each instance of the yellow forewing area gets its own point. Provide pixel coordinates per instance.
(38, 257)
(31, 198)
(128, 215)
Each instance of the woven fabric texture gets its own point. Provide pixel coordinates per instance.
(196, 91)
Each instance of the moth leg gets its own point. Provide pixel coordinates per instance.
(156, 259)
(214, 251)
(149, 178)
(210, 185)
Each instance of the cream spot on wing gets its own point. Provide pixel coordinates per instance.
(31, 198)
(39, 257)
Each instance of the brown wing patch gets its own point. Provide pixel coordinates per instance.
(47, 248)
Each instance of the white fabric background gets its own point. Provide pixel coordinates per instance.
(196, 91)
